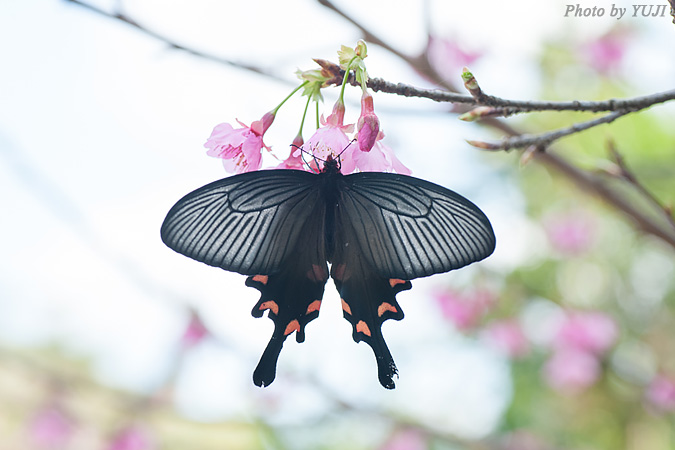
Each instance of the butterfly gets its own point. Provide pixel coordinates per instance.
(281, 228)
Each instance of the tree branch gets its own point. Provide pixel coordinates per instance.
(173, 44)
(543, 140)
(585, 180)
(421, 64)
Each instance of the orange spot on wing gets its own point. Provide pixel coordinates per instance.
(361, 327)
(384, 307)
(394, 281)
(346, 307)
(261, 279)
(272, 306)
(292, 326)
(314, 306)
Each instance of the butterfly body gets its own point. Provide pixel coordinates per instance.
(283, 227)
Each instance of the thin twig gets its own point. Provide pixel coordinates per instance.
(596, 185)
(173, 44)
(625, 173)
(543, 140)
(481, 99)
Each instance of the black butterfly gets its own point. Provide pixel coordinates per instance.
(281, 227)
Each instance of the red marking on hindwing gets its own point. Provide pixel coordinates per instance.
(384, 307)
(261, 279)
(272, 306)
(314, 306)
(394, 281)
(339, 272)
(317, 273)
(292, 326)
(362, 327)
(346, 307)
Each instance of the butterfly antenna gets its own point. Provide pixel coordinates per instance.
(302, 154)
(339, 160)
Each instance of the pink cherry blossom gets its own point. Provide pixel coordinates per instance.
(132, 437)
(571, 370)
(660, 394)
(294, 160)
(592, 332)
(380, 158)
(331, 140)
(368, 125)
(464, 310)
(606, 53)
(51, 427)
(507, 336)
(406, 439)
(570, 234)
(239, 148)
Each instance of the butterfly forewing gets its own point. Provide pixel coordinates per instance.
(410, 228)
(246, 223)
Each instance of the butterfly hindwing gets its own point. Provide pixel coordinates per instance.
(292, 295)
(368, 300)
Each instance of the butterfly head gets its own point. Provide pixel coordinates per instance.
(331, 165)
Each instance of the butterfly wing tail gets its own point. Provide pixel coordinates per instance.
(266, 371)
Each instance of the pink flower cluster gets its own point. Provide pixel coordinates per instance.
(464, 310)
(570, 234)
(241, 148)
(660, 394)
(507, 337)
(580, 342)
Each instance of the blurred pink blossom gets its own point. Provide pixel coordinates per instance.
(464, 310)
(571, 370)
(507, 336)
(195, 331)
(406, 439)
(660, 394)
(132, 437)
(240, 148)
(448, 57)
(593, 332)
(606, 53)
(580, 341)
(571, 233)
(51, 428)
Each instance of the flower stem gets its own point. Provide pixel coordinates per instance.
(274, 111)
(341, 99)
(304, 114)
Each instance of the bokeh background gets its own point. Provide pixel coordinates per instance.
(563, 338)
